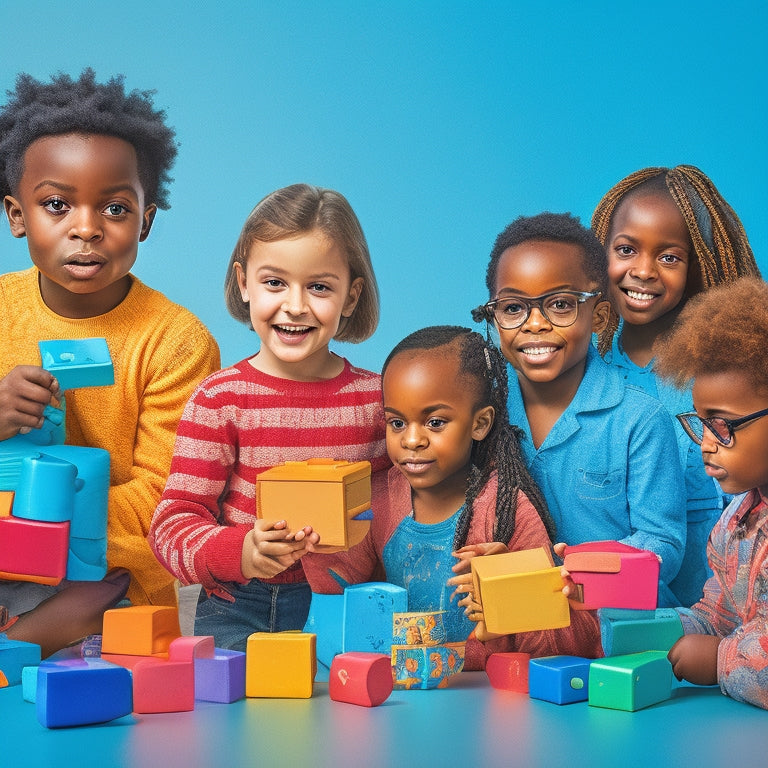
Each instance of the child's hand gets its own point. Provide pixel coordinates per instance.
(694, 658)
(570, 590)
(270, 548)
(24, 394)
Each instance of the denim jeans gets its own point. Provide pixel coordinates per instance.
(258, 607)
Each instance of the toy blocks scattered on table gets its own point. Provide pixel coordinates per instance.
(78, 363)
(520, 591)
(630, 682)
(360, 678)
(220, 678)
(280, 665)
(508, 671)
(625, 631)
(559, 679)
(610, 574)
(139, 630)
(15, 655)
(331, 496)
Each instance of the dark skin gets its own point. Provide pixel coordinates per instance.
(694, 658)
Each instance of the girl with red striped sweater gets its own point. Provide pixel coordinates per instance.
(300, 275)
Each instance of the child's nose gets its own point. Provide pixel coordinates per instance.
(85, 224)
(643, 267)
(708, 442)
(413, 436)
(294, 301)
(536, 320)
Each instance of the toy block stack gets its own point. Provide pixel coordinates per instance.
(624, 631)
(280, 665)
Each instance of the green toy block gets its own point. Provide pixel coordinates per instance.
(630, 682)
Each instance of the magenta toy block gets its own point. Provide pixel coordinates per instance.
(163, 686)
(625, 631)
(613, 575)
(82, 693)
(33, 551)
(191, 648)
(559, 679)
(78, 362)
(326, 621)
(15, 655)
(220, 678)
(361, 678)
(368, 613)
(508, 671)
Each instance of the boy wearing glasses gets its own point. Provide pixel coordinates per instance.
(603, 453)
(720, 342)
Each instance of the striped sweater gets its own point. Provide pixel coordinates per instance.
(238, 423)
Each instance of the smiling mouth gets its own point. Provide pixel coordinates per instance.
(293, 330)
(639, 295)
(538, 351)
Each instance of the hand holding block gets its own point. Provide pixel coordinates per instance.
(360, 678)
(613, 575)
(508, 671)
(520, 591)
(630, 682)
(559, 679)
(280, 665)
(626, 631)
(78, 362)
(139, 630)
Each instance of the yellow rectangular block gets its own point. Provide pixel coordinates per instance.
(280, 665)
(140, 630)
(6, 503)
(520, 591)
(323, 493)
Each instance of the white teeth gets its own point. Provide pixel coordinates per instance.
(538, 350)
(639, 296)
(293, 329)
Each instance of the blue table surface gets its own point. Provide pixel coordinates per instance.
(466, 724)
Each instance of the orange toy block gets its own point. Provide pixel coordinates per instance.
(520, 591)
(163, 686)
(323, 493)
(280, 665)
(6, 503)
(139, 630)
(32, 550)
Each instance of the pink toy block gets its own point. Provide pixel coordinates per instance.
(610, 574)
(163, 686)
(508, 671)
(191, 648)
(221, 678)
(360, 678)
(139, 630)
(31, 550)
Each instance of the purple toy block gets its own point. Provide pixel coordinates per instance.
(15, 655)
(220, 678)
(559, 679)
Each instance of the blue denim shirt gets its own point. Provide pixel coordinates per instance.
(609, 468)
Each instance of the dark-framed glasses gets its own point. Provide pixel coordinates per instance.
(561, 308)
(722, 429)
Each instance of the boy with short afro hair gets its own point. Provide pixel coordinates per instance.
(719, 341)
(83, 169)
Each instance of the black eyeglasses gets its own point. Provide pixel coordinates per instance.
(722, 429)
(561, 308)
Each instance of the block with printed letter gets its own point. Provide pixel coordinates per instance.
(360, 678)
(369, 610)
(220, 678)
(15, 655)
(78, 362)
(520, 591)
(139, 630)
(280, 665)
(334, 497)
(630, 682)
(625, 631)
(559, 679)
(610, 574)
(31, 550)
(508, 671)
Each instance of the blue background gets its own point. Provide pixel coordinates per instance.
(441, 122)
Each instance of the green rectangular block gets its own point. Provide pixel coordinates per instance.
(630, 682)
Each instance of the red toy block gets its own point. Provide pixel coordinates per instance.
(508, 671)
(31, 550)
(163, 686)
(139, 630)
(191, 648)
(360, 678)
(613, 575)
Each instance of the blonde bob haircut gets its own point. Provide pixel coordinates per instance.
(296, 210)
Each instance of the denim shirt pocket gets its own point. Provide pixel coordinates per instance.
(600, 485)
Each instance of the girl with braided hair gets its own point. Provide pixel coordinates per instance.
(669, 235)
(458, 489)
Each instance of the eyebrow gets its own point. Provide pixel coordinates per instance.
(70, 188)
(675, 244)
(425, 411)
(514, 292)
(282, 271)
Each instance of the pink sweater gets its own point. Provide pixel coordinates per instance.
(238, 423)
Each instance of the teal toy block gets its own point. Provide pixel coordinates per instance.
(630, 682)
(624, 631)
(326, 621)
(78, 363)
(29, 684)
(15, 655)
(220, 678)
(368, 612)
(46, 489)
(559, 679)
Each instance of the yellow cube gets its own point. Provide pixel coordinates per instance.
(323, 493)
(139, 630)
(280, 665)
(520, 591)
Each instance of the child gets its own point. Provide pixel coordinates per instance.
(669, 234)
(458, 487)
(300, 276)
(83, 170)
(597, 448)
(720, 342)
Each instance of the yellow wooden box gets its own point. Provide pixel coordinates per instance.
(520, 591)
(323, 493)
(280, 665)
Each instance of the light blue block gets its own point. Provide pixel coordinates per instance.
(559, 679)
(627, 631)
(368, 611)
(29, 684)
(78, 363)
(326, 621)
(15, 655)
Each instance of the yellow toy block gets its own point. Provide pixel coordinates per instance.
(520, 591)
(323, 493)
(6, 503)
(140, 630)
(280, 665)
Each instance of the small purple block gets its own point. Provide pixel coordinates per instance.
(559, 679)
(221, 678)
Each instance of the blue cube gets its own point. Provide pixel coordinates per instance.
(559, 679)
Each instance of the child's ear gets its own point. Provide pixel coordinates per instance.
(147, 219)
(241, 281)
(15, 216)
(601, 315)
(355, 289)
(483, 422)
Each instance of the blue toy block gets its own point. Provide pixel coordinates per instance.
(627, 631)
(82, 692)
(559, 679)
(15, 655)
(368, 613)
(29, 684)
(221, 678)
(326, 621)
(46, 489)
(630, 682)
(78, 362)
